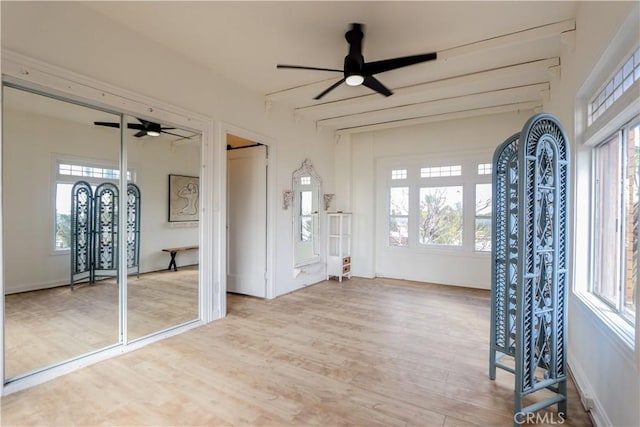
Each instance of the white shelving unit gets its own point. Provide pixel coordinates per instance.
(339, 245)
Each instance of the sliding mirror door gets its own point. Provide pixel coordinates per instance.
(60, 176)
(162, 287)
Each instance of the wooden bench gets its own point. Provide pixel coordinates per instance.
(174, 252)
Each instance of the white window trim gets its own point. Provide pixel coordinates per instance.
(468, 179)
(586, 137)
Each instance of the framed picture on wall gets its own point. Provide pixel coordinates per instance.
(184, 198)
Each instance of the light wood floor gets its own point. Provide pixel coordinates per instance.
(364, 352)
(52, 325)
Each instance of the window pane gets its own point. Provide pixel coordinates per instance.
(399, 201)
(306, 225)
(441, 216)
(607, 216)
(306, 202)
(633, 226)
(399, 174)
(438, 171)
(483, 234)
(483, 199)
(484, 168)
(398, 231)
(483, 217)
(63, 215)
(398, 212)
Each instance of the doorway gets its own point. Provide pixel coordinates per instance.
(246, 216)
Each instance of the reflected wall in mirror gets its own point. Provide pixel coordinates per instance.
(163, 296)
(48, 146)
(307, 191)
(68, 226)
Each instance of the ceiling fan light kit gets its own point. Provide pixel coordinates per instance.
(358, 72)
(354, 80)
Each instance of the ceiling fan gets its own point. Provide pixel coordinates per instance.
(358, 72)
(144, 128)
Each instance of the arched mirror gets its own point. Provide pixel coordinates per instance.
(307, 191)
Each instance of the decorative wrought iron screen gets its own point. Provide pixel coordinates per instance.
(530, 253)
(94, 231)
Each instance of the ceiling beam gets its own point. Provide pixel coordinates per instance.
(532, 92)
(520, 106)
(528, 35)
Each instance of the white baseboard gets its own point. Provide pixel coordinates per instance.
(588, 398)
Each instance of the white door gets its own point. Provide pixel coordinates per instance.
(247, 220)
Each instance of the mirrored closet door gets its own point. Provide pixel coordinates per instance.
(74, 218)
(54, 161)
(166, 163)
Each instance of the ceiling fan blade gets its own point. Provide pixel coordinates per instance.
(108, 124)
(140, 133)
(374, 84)
(376, 67)
(136, 126)
(330, 88)
(302, 67)
(170, 133)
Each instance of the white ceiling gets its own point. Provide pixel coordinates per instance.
(492, 56)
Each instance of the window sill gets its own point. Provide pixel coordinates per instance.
(610, 318)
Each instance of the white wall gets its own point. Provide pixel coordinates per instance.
(606, 369)
(467, 139)
(73, 37)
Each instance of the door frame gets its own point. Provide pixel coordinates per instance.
(224, 130)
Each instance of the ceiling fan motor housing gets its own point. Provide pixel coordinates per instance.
(354, 61)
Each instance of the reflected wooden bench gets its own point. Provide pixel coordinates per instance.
(174, 252)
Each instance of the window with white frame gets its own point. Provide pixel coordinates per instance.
(67, 174)
(621, 81)
(484, 168)
(440, 216)
(483, 217)
(615, 219)
(427, 207)
(399, 216)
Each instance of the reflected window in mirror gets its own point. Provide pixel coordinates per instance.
(307, 193)
(306, 218)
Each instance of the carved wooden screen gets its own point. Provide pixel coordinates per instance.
(530, 255)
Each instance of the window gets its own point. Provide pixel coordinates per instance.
(435, 172)
(306, 212)
(431, 207)
(68, 174)
(399, 216)
(615, 219)
(440, 216)
(399, 174)
(483, 217)
(622, 80)
(484, 168)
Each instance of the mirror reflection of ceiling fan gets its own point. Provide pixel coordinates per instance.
(144, 128)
